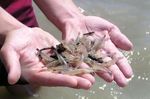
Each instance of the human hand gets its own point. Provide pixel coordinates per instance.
(18, 53)
(121, 70)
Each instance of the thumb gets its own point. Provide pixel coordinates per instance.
(11, 61)
(120, 40)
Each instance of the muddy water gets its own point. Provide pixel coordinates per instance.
(133, 18)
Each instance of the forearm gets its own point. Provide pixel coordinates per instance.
(7, 23)
(58, 11)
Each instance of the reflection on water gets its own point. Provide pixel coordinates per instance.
(133, 18)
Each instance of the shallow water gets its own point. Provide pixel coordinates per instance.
(133, 18)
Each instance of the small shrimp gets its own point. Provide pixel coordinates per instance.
(43, 56)
(79, 71)
(67, 56)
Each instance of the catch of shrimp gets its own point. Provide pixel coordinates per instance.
(67, 57)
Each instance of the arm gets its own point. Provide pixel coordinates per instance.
(59, 11)
(7, 23)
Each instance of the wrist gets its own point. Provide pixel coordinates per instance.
(59, 11)
(68, 13)
(77, 18)
(62, 17)
(5, 32)
(7, 24)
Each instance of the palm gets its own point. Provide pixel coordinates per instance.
(19, 56)
(122, 69)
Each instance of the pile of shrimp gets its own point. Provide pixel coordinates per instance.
(67, 57)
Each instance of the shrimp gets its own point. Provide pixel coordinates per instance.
(66, 56)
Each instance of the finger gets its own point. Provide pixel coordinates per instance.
(11, 61)
(82, 83)
(106, 76)
(51, 79)
(87, 76)
(115, 75)
(119, 39)
(119, 78)
(104, 73)
(47, 78)
(121, 63)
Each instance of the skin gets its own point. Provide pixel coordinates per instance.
(72, 22)
(122, 70)
(18, 53)
(20, 59)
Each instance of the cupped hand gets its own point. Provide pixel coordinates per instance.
(121, 70)
(18, 53)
